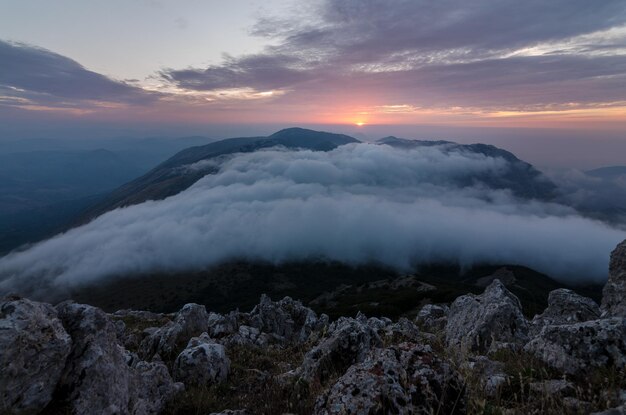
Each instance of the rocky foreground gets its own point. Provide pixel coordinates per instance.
(476, 355)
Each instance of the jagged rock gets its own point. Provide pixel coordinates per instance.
(614, 293)
(220, 325)
(403, 379)
(248, 336)
(203, 362)
(348, 341)
(491, 320)
(573, 348)
(286, 319)
(432, 317)
(152, 387)
(167, 341)
(565, 307)
(402, 330)
(33, 349)
(232, 412)
(97, 378)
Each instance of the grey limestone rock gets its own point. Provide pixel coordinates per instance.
(614, 293)
(192, 320)
(574, 348)
(565, 307)
(403, 379)
(494, 319)
(33, 349)
(203, 362)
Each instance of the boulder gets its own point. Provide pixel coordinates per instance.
(614, 293)
(286, 319)
(98, 379)
(220, 325)
(432, 317)
(347, 341)
(203, 362)
(33, 349)
(565, 307)
(403, 379)
(192, 320)
(575, 348)
(492, 320)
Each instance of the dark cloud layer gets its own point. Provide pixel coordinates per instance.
(42, 77)
(437, 53)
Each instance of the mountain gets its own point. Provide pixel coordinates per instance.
(521, 177)
(168, 178)
(611, 172)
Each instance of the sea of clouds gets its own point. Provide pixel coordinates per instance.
(357, 204)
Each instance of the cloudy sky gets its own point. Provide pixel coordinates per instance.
(558, 64)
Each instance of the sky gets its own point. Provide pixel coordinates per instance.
(411, 67)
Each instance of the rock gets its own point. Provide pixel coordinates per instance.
(401, 331)
(574, 348)
(348, 341)
(97, 378)
(403, 379)
(565, 307)
(480, 322)
(614, 293)
(33, 349)
(247, 336)
(152, 387)
(432, 317)
(203, 362)
(232, 412)
(222, 325)
(192, 320)
(286, 319)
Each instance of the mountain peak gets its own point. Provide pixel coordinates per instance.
(296, 135)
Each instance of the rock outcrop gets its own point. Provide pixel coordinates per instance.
(432, 317)
(614, 293)
(33, 349)
(487, 322)
(287, 320)
(565, 307)
(203, 362)
(574, 348)
(97, 378)
(403, 379)
(192, 320)
(347, 342)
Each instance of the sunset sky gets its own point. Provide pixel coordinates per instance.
(558, 64)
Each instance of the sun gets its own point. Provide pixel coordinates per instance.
(360, 123)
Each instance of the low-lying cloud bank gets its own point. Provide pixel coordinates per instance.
(357, 203)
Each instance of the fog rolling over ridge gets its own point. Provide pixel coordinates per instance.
(397, 205)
